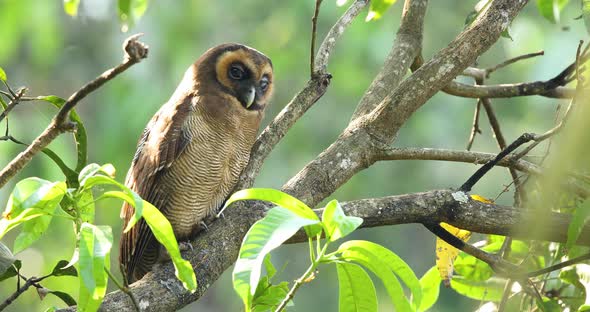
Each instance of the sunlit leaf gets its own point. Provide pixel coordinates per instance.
(269, 267)
(356, 290)
(430, 284)
(85, 205)
(446, 254)
(71, 7)
(32, 231)
(551, 9)
(489, 290)
(162, 230)
(2, 74)
(268, 297)
(264, 236)
(280, 199)
(337, 224)
(378, 8)
(139, 8)
(384, 264)
(31, 198)
(95, 248)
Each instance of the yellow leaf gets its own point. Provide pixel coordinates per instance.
(481, 199)
(446, 254)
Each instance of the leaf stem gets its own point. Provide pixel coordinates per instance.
(300, 281)
(123, 289)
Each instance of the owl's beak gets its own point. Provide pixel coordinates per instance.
(250, 97)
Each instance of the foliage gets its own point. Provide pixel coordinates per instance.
(352, 258)
(34, 202)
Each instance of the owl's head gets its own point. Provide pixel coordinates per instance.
(242, 73)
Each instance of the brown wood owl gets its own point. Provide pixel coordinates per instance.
(192, 151)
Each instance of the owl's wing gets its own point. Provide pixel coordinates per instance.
(162, 141)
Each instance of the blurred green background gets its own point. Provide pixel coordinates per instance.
(52, 53)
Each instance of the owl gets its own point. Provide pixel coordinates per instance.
(192, 151)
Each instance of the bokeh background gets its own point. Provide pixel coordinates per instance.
(52, 53)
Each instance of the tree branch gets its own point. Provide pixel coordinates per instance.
(135, 51)
(161, 291)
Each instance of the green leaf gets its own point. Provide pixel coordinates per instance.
(268, 297)
(125, 17)
(65, 297)
(386, 259)
(31, 198)
(95, 248)
(85, 206)
(2, 75)
(378, 8)
(264, 236)
(551, 9)
(580, 216)
(6, 258)
(160, 227)
(92, 170)
(280, 199)
(87, 182)
(356, 290)
(62, 268)
(270, 268)
(490, 290)
(380, 268)
(165, 235)
(336, 223)
(139, 8)
(32, 231)
(430, 283)
(71, 7)
(80, 135)
(472, 268)
(11, 271)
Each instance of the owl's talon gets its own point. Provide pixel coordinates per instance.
(204, 226)
(185, 246)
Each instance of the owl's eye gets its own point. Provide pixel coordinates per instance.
(264, 83)
(236, 72)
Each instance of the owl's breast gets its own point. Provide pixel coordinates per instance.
(203, 175)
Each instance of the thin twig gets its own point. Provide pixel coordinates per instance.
(524, 138)
(505, 295)
(559, 266)
(135, 51)
(123, 289)
(490, 70)
(475, 126)
(33, 281)
(13, 102)
(302, 101)
(314, 24)
(497, 130)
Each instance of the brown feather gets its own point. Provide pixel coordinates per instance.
(192, 151)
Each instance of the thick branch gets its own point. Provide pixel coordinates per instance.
(313, 90)
(407, 44)
(216, 249)
(135, 51)
(542, 88)
(366, 135)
